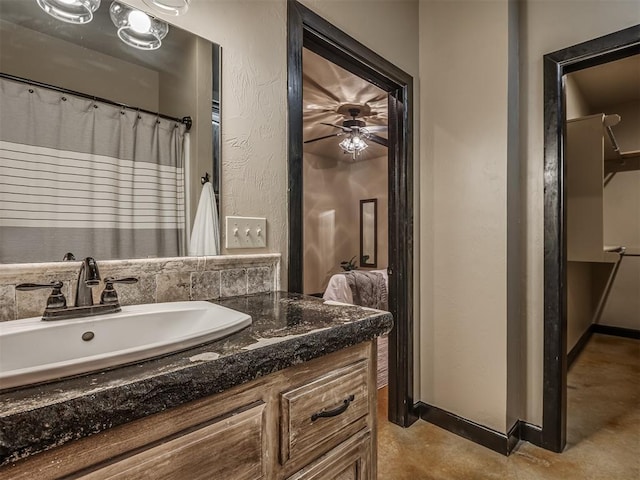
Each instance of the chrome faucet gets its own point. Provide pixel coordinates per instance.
(88, 277)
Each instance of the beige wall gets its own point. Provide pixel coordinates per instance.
(576, 103)
(45, 59)
(463, 54)
(331, 209)
(622, 225)
(462, 160)
(252, 34)
(548, 26)
(186, 88)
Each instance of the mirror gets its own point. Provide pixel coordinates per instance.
(88, 66)
(369, 233)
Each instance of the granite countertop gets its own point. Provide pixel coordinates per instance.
(287, 329)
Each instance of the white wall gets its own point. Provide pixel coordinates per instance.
(548, 26)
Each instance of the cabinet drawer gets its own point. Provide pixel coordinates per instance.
(324, 412)
(349, 461)
(227, 448)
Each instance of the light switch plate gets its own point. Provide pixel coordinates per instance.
(246, 232)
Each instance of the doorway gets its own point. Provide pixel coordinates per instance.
(310, 31)
(557, 65)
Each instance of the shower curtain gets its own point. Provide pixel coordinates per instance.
(86, 177)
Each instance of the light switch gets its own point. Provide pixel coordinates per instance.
(246, 232)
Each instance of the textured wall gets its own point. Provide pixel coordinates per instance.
(464, 160)
(252, 34)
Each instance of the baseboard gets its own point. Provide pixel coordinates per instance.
(496, 441)
(579, 346)
(530, 433)
(616, 331)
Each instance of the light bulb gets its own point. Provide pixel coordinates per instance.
(139, 21)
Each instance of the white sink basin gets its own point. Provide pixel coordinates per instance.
(32, 350)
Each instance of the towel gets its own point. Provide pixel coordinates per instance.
(205, 236)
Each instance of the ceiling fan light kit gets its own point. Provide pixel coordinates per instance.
(354, 144)
(356, 130)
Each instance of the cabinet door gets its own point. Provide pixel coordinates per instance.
(229, 448)
(350, 460)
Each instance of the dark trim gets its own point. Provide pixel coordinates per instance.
(496, 441)
(295, 33)
(187, 121)
(513, 438)
(579, 346)
(601, 329)
(616, 331)
(594, 52)
(307, 29)
(530, 433)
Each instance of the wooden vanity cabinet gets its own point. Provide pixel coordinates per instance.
(312, 421)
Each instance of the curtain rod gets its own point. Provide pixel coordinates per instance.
(187, 121)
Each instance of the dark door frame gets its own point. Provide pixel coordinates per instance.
(557, 64)
(307, 29)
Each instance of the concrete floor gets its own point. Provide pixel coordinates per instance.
(603, 433)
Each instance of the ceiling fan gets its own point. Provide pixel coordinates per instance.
(355, 131)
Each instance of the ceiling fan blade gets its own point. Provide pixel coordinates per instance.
(377, 128)
(344, 129)
(322, 138)
(379, 140)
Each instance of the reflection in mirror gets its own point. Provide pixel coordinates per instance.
(98, 155)
(369, 233)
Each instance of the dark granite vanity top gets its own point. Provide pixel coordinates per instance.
(287, 329)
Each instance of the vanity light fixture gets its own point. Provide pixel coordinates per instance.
(169, 7)
(70, 11)
(136, 28)
(354, 143)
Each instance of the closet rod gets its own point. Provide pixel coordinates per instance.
(187, 121)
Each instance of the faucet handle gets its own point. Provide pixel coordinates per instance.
(55, 300)
(109, 294)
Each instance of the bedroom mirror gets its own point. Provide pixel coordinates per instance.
(103, 143)
(369, 233)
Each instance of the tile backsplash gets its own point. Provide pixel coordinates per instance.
(159, 280)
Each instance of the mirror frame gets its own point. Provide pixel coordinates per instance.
(363, 261)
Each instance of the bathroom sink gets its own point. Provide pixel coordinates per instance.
(32, 350)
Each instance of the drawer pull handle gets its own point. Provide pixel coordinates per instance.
(335, 412)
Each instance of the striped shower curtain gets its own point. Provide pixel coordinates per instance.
(86, 177)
